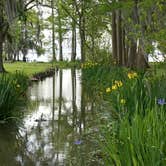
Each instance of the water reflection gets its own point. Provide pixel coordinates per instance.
(58, 115)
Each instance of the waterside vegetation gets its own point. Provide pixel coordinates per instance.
(116, 40)
(131, 114)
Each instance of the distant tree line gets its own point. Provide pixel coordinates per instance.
(121, 31)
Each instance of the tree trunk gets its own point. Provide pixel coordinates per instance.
(2, 36)
(114, 39)
(1, 53)
(142, 60)
(53, 32)
(24, 54)
(82, 38)
(73, 51)
(60, 32)
(119, 38)
(133, 40)
(132, 54)
(82, 31)
(124, 48)
(24, 40)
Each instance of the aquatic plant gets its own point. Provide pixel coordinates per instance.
(139, 140)
(134, 130)
(12, 88)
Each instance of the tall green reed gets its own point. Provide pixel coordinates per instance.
(12, 89)
(139, 141)
(134, 131)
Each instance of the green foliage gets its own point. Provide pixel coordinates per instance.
(133, 130)
(12, 90)
(139, 141)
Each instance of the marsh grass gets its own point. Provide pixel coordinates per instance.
(139, 141)
(12, 92)
(134, 131)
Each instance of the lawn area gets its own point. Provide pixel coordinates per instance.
(27, 68)
(36, 67)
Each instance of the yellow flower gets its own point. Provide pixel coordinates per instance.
(18, 86)
(135, 74)
(119, 83)
(114, 87)
(132, 75)
(129, 75)
(123, 101)
(108, 90)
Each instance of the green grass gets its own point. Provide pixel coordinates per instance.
(28, 68)
(35, 67)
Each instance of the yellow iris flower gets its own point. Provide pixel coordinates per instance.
(132, 75)
(108, 90)
(119, 83)
(114, 87)
(123, 101)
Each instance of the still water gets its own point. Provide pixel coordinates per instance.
(55, 128)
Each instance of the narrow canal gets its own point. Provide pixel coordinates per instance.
(55, 127)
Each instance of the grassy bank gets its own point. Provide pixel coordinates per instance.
(37, 67)
(28, 68)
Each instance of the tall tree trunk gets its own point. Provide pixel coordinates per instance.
(24, 40)
(24, 56)
(1, 53)
(82, 31)
(2, 36)
(124, 48)
(132, 54)
(114, 39)
(73, 51)
(142, 60)
(119, 37)
(53, 32)
(60, 32)
(133, 40)
(82, 38)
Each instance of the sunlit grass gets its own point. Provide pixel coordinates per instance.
(27, 68)
(36, 67)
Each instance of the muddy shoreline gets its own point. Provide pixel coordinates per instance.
(42, 75)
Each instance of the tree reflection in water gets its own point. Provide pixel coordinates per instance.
(59, 114)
